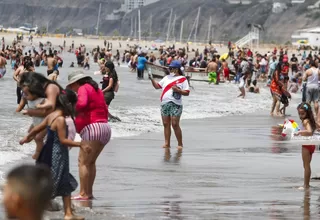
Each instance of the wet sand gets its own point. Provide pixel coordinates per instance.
(229, 169)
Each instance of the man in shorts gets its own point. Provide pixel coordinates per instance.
(312, 77)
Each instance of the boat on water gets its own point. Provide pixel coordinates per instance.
(194, 74)
(24, 29)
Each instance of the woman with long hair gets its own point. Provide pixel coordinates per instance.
(92, 125)
(109, 83)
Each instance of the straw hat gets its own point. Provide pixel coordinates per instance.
(76, 76)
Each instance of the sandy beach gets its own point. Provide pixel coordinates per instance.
(229, 169)
(237, 174)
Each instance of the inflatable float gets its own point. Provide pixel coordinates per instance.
(289, 132)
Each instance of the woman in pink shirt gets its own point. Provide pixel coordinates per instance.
(92, 125)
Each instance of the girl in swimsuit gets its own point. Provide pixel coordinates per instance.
(306, 116)
(55, 153)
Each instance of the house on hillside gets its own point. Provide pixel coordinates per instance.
(314, 6)
(130, 5)
(297, 1)
(244, 2)
(278, 7)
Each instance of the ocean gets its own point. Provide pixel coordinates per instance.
(229, 169)
(137, 104)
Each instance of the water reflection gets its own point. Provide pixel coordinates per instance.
(168, 155)
(277, 148)
(306, 205)
(172, 210)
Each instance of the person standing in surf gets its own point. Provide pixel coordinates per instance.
(311, 77)
(3, 63)
(212, 69)
(309, 124)
(173, 86)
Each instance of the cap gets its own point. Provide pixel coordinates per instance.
(175, 64)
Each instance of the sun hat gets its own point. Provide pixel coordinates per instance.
(175, 64)
(76, 76)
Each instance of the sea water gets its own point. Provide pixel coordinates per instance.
(137, 104)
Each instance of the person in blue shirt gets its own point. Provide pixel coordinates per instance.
(141, 65)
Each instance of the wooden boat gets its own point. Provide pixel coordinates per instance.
(195, 74)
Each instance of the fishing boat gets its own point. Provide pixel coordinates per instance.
(24, 29)
(195, 74)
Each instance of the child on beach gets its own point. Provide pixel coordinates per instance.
(309, 124)
(55, 153)
(27, 192)
(34, 99)
(242, 85)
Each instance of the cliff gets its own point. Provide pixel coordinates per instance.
(229, 22)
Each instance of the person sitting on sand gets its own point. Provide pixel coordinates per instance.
(27, 192)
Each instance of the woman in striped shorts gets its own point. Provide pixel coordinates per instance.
(92, 125)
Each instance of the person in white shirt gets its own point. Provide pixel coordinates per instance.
(173, 86)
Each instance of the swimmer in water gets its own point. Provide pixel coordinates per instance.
(309, 124)
(3, 63)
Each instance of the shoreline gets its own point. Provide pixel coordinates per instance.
(124, 156)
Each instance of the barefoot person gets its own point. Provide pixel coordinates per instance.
(212, 69)
(276, 91)
(55, 153)
(27, 192)
(309, 125)
(173, 86)
(92, 125)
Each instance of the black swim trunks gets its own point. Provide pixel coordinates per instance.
(49, 72)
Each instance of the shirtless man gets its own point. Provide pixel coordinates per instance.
(16, 76)
(3, 63)
(225, 69)
(51, 64)
(212, 69)
(86, 62)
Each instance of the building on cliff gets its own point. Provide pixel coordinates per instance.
(278, 7)
(309, 36)
(130, 5)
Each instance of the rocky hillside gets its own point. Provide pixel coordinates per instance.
(229, 22)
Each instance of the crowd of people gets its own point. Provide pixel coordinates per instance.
(57, 115)
(82, 107)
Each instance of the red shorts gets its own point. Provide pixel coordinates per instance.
(226, 73)
(310, 148)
